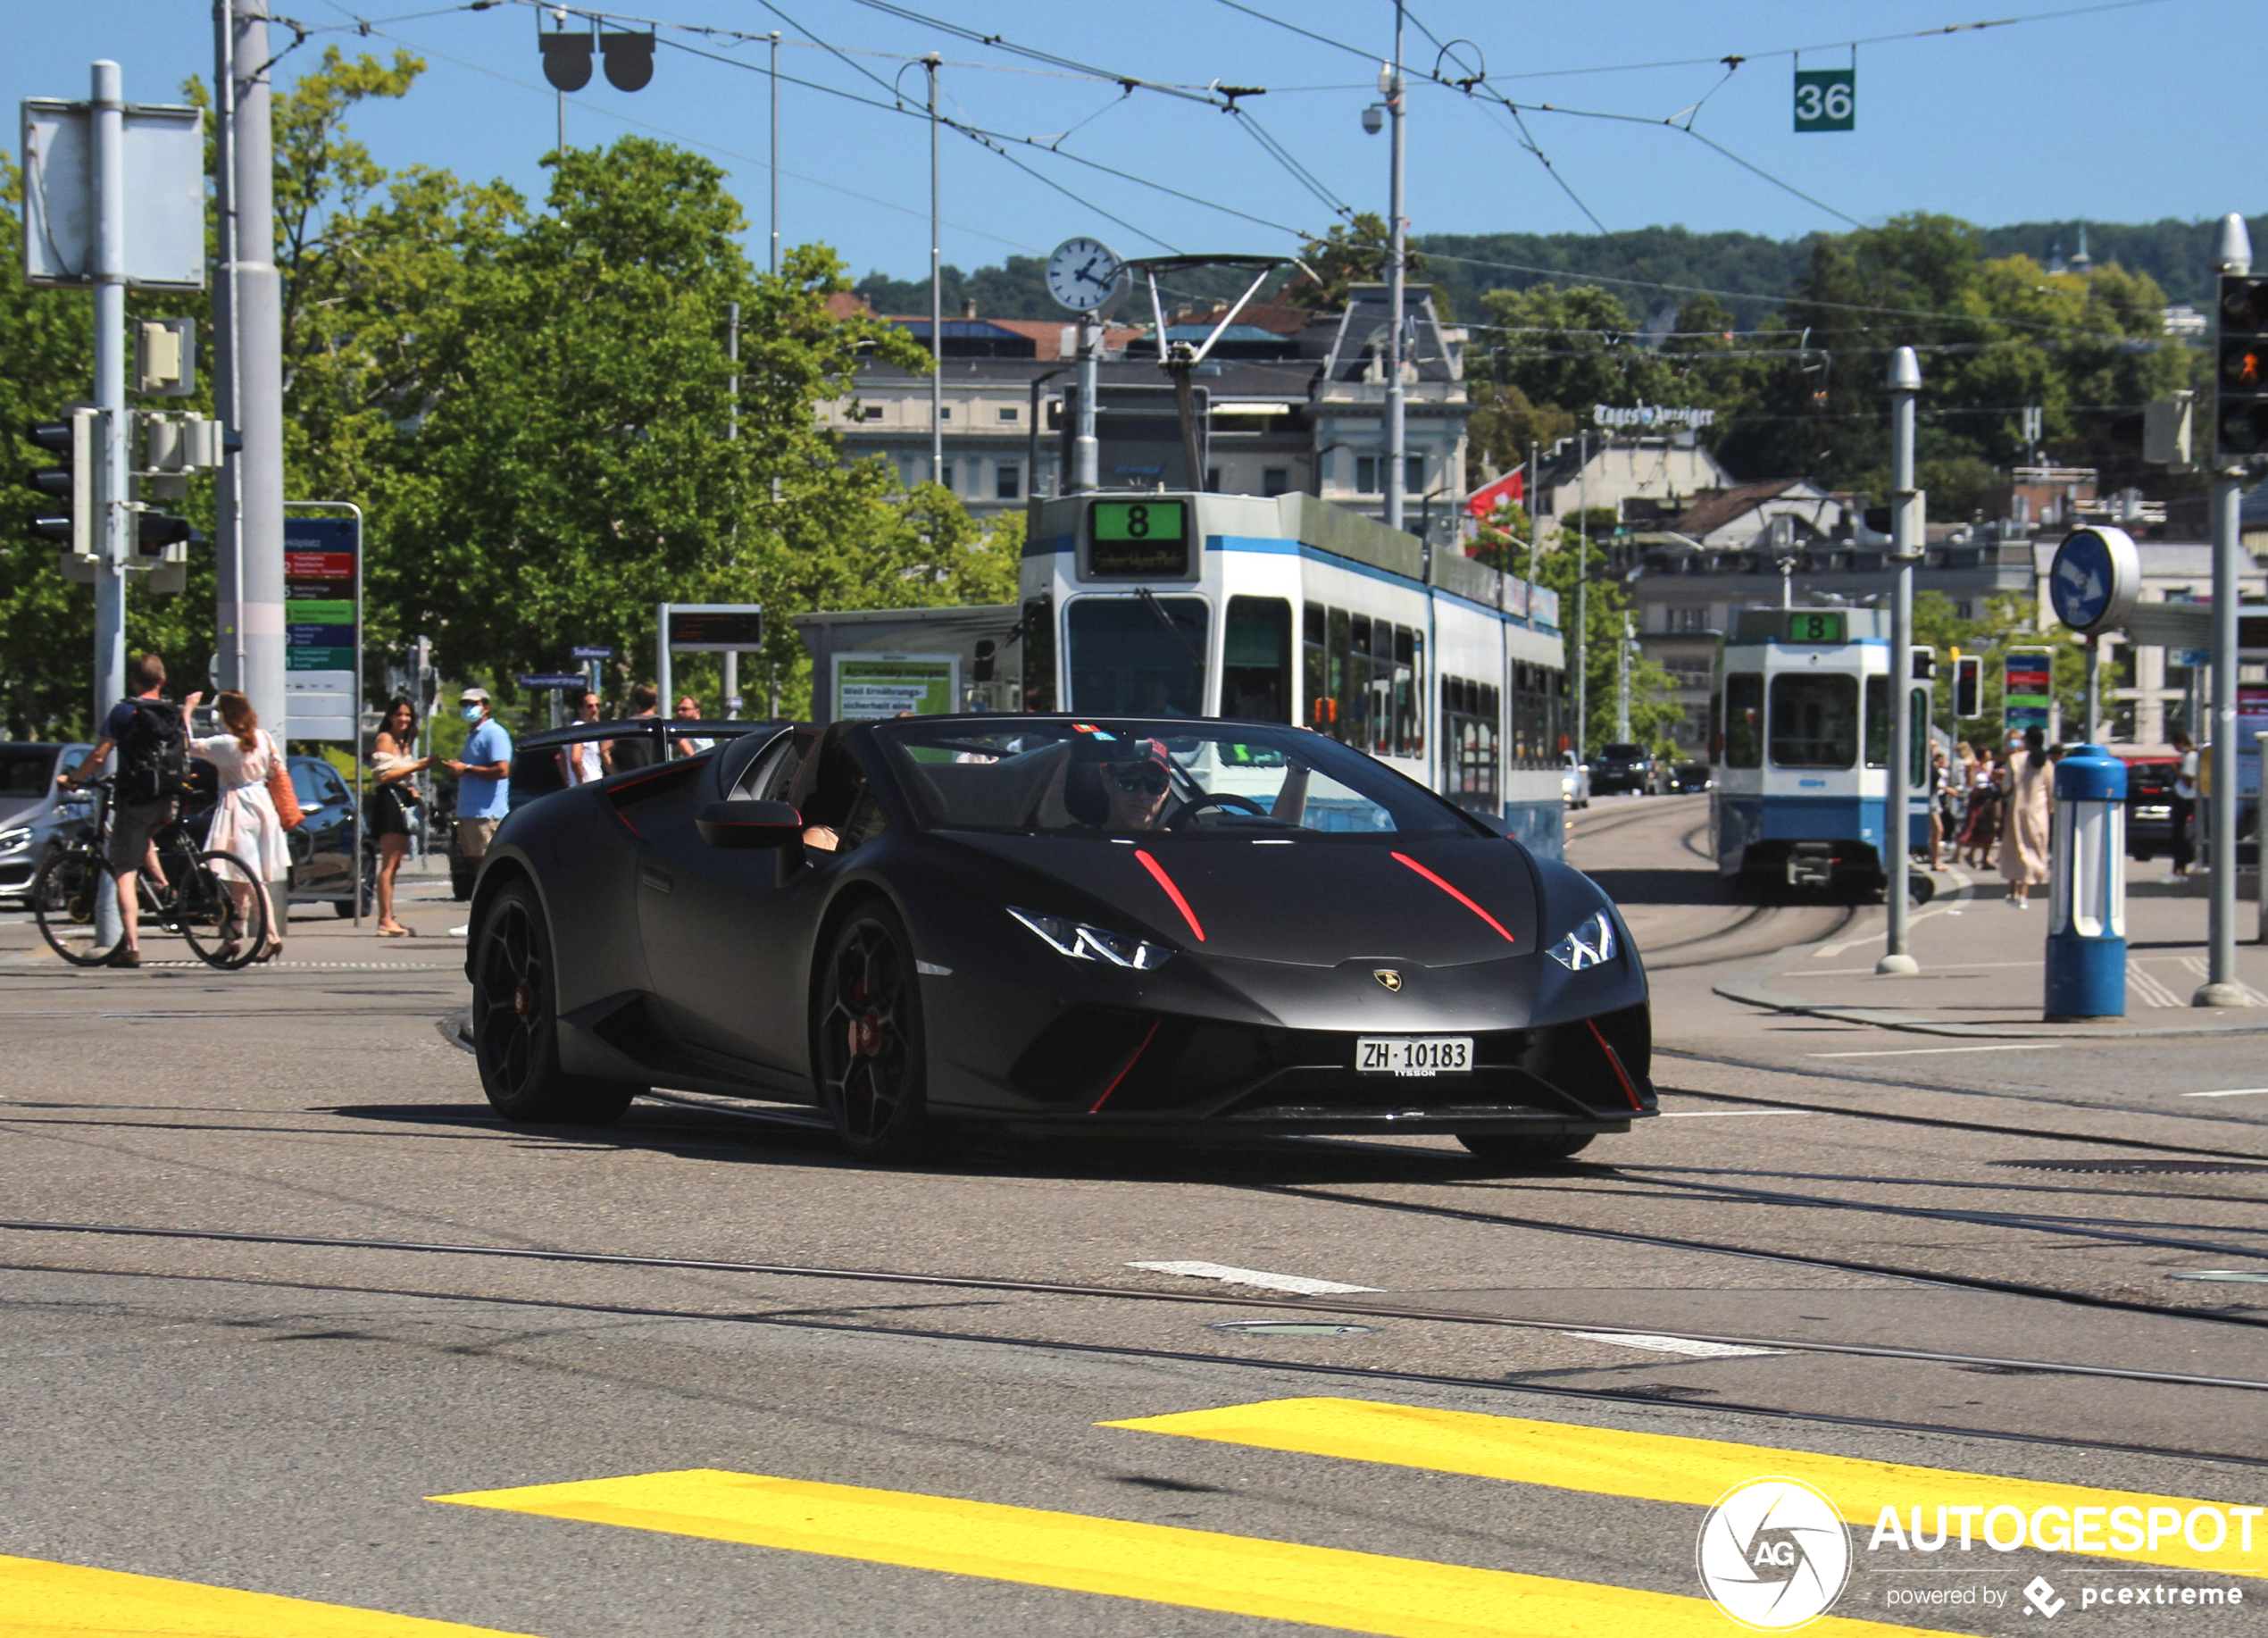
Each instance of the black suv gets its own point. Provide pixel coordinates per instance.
(1622, 767)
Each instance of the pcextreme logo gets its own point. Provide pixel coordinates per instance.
(1773, 1554)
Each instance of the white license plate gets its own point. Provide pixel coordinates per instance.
(1413, 1055)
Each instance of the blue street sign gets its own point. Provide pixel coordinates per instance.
(589, 651)
(2095, 579)
(552, 679)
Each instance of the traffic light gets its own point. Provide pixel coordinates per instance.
(1968, 685)
(72, 484)
(2241, 419)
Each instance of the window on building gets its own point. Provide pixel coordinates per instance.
(1008, 412)
(1007, 482)
(1370, 474)
(1213, 480)
(1688, 617)
(1275, 480)
(945, 476)
(869, 411)
(945, 413)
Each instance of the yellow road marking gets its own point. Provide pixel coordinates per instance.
(40, 1600)
(1159, 1564)
(1664, 1468)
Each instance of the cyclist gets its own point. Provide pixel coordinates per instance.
(152, 741)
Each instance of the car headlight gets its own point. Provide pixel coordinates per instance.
(15, 840)
(1588, 946)
(1083, 942)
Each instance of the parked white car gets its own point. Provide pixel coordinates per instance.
(1574, 781)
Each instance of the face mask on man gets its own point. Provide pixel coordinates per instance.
(471, 713)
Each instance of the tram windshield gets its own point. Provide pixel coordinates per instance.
(1140, 655)
(1814, 720)
(1114, 777)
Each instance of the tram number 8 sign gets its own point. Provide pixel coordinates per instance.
(1827, 99)
(1138, 539)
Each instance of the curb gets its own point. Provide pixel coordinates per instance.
(1774, 1000)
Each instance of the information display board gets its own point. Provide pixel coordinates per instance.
(1138, 539)
(1805, 625)
(2028, 691)
(322, 598)
(871, 687)
(710, 628)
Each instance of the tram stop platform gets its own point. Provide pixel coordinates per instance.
(1983, 966)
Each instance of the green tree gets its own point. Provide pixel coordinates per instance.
(1359, 251)
(1654, 712)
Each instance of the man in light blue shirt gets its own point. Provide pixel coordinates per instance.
(483, 795)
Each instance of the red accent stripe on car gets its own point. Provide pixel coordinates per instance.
(1615, 1058)
(1460, 897)
(1096, 1108)
(1171, 891)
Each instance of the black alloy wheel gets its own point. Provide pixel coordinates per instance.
(867, 1048)
(1516, 1151)
(516, 1022)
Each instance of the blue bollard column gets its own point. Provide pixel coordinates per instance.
(2087, 888)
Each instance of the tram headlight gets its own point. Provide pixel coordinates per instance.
(1082, 942)
(1590, 945)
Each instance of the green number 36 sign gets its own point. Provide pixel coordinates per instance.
(1827, 99)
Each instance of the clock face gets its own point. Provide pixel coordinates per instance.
(1082, 273)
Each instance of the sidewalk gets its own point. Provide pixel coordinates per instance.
(1983, 968)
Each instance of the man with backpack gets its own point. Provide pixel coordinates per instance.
(152, 741)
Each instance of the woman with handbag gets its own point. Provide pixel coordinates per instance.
(245, 821)
(394, 805)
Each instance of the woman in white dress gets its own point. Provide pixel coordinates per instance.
(245, 821)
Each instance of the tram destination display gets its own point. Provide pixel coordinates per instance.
(1138, 539)
(1811, 626)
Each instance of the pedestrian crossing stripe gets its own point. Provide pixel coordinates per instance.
(1160, 1564)
(41, 1600)
(1667, 1467)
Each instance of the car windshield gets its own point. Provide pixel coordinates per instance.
(1623, 753)
(1116, 777)
(26, 772)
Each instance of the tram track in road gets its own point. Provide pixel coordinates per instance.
(1509, 1384)
(1336, 1305)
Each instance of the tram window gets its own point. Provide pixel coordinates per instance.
(1878, 722)
(1142, 657)
(1468, 718)
(1315, 668)
(1256, 671)
(1409, 727)
(1814, 722)
(1744, 720)
(1345, 693)
(1040, 654)
(1917, 729)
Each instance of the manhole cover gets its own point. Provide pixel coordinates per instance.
(2245, 1275)
(1290, 1327)
(2133, 1166)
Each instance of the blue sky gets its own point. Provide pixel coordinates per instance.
(2127, 113)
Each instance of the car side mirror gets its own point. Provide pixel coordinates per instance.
(749, 825)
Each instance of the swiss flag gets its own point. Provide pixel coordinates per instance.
(1488, 497)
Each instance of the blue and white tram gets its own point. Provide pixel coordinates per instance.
(1800, 735)
(1287, 609)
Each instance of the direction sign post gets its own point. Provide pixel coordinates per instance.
(322, 628)
(701, 628)
(2094, 584)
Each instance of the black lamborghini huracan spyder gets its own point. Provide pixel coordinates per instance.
(1054, 925)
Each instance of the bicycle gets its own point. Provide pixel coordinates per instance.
(213, 900)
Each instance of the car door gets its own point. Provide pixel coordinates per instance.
(319, 844)
(726, 930)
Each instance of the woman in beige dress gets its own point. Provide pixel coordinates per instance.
(2024, 824)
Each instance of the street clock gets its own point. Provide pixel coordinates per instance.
(1087, 276)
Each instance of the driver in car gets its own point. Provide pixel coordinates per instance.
(1137, 782)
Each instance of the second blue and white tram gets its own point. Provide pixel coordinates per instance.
(1287, 609)
(1800, 735)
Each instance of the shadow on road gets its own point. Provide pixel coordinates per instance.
(1663, 886)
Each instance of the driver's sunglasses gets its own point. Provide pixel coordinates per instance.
(1146, 777)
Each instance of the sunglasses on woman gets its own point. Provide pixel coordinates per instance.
(1147, 778)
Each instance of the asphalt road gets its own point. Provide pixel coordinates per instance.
(275, 1280)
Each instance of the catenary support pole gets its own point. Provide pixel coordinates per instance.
(775, 150)
(2220, 988)
(1905, 546)
(937, 293)
(1622, 685)
(254, 607)
(228, 523)
(1582, 594)
(1397, 284)
(113, 522)
(1535, 532)
(1086, 454)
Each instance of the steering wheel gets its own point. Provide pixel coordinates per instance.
(1214, 798)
